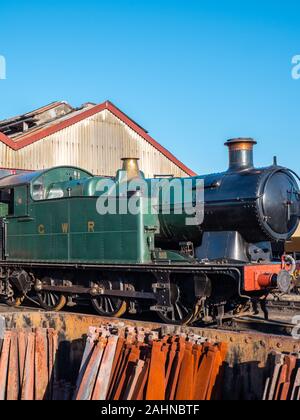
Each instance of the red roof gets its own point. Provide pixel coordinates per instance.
(29, 138)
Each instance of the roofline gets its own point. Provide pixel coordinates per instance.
(34, 112)
(37, 174)
(46, 107)
(46, 170)
(39, 134)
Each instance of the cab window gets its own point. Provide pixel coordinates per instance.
(14, 201)
(6, 202)
(38, 191)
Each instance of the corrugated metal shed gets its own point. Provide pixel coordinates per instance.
(94, 137)
(294, 244)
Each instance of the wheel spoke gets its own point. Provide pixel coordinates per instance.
(106, 305)
(182, 308)
(51, 301)
(111, 305)
(179, 311)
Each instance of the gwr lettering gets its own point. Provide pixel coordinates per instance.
(41, 229)
(65, 227)
(91, 227)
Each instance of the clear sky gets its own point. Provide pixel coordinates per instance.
(192, 72)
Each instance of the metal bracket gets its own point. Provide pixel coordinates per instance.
(187, 248)
(162, 291)
(157, 286)
(159, 308)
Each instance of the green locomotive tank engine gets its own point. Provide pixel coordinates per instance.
(53, 217)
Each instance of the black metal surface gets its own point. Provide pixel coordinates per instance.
(153, 268)
(261, 204)
(105, 292)
(230, 246)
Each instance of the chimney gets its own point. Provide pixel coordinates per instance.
(240, 153)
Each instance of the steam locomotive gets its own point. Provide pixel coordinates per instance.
(57, 247)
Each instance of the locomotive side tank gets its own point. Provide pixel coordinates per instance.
(246, 209)
(52, 217)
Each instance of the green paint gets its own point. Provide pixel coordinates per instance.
(46, 228)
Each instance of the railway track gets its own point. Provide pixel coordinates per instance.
(285, 303)
(255, 323)
(281, 318)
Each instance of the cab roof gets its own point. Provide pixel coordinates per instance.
(62, 173)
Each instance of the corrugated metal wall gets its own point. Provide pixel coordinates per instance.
(297, 234)
(96, 144)
(294, 244)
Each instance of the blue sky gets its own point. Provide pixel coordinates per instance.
(192, 72)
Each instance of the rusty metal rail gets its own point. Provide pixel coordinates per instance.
(134, 364)
(27, 364)
(52, 355)
(118, 363)
(283, 381)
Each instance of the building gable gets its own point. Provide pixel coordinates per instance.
(98, 136)
(96, 142)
